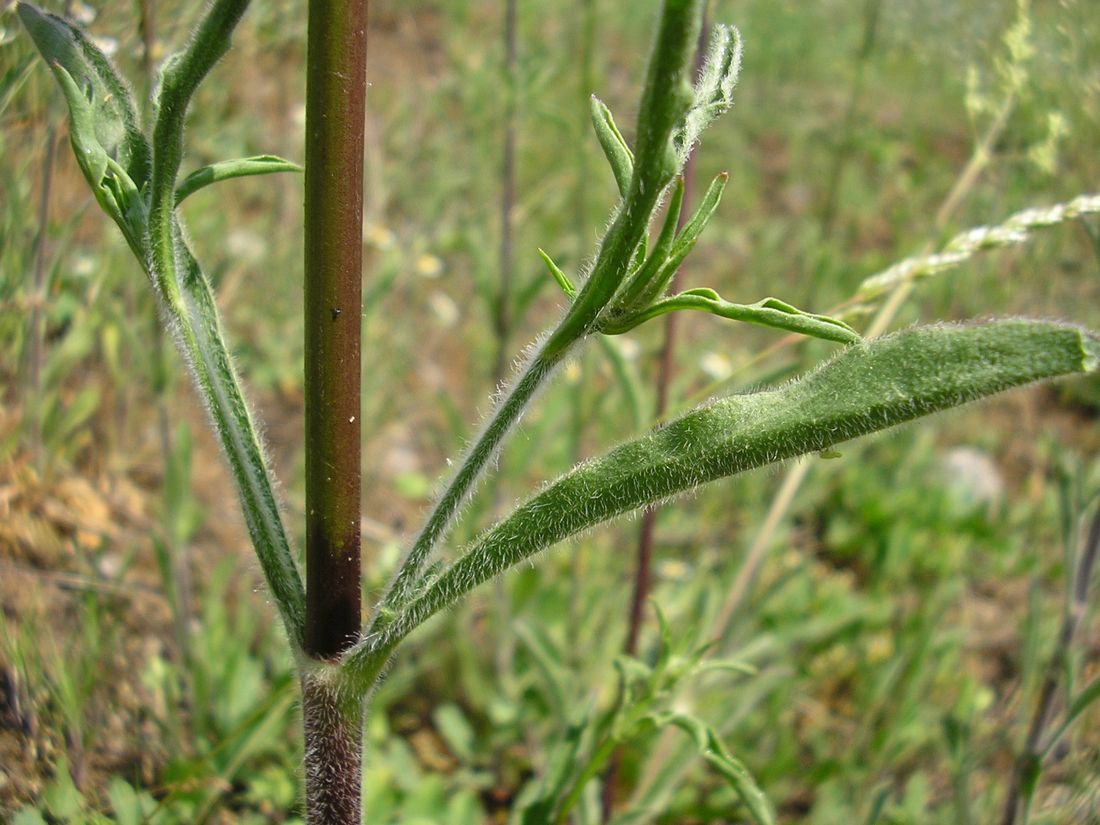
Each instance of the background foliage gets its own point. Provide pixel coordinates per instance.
(901, 624)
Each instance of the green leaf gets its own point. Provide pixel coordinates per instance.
(560, 277)
(770, 312)
(1083, 699)
(685, 241)
(130, 807)
(650, 280)
(614, 146)
(13, 79)
(228, 169)
(714, 89)
(867, 387)
(456, 731)
(114, 190)
(731, 769)
(110, 110)
(878, 803)
(61, 797)
(263, 728)
(107, 140)
(28, 816)
(628, 298)
(726, 665)
(189, 302)
(180, 76)
(541, 800)
(547, 660)
(63, 422)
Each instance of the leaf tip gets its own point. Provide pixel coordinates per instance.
(1090, 351)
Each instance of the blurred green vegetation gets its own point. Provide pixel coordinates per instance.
(908, 605)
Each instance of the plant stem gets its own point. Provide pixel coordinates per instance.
(664, 102)
(333, 718)
(187, 298)
(335, 110)
(643, 560)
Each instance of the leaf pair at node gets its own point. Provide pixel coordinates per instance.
(642, 293)
(111, 149)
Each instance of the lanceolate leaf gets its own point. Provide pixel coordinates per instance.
(199, 337)
(110, 149)
(115, 158)
(560, 277)
(721, 760)
(227, 169)
(651, 278)
(867, 387)
(185, 291)
(627, 298)
(770, 312)
(618, 154)
(685, 241)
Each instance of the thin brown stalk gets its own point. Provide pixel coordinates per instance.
(1032, 751)
(844, 148)
(502, 315)
(38, 298)
(502, 320)
(147, 19)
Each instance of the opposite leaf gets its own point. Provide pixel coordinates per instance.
(650, 279)
(869, 386)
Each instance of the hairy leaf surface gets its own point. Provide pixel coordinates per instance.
(868, 387)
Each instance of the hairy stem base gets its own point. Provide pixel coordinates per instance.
(333, 722)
